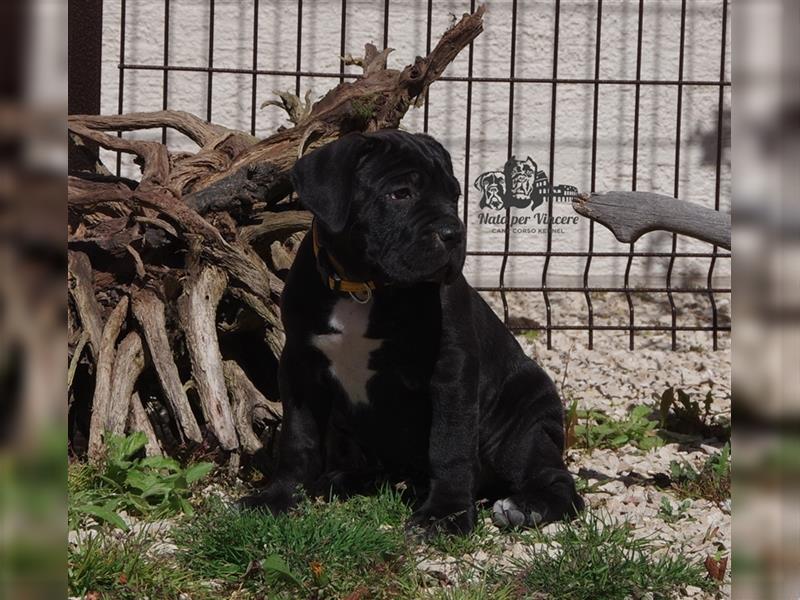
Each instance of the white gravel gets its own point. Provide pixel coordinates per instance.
(612, 378)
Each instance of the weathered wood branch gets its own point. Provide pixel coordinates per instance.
(140, 421)
(81, 289)
(248, 405)
(242, 392)
(196, 129)
(128, 365)
(197, 310)
(149, 311)
(253, 274)
(154, 156)
(76, 357)
(277, 225)
(629, 215)
(103, 372)
(84, 195)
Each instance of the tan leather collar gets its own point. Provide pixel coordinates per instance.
(334, 275)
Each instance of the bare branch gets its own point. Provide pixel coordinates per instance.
(81, 289)
(149, 311)
(128, 365)
(103, 372)
(629, 215)
(197, 310)
(139, 421)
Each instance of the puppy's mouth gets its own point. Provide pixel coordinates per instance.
(450, 270)
(451, 273)
(436, 264)
(444, 274)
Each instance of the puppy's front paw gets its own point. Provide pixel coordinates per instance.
(276, 499)
(431, 521)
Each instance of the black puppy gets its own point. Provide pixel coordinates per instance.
(394, 367)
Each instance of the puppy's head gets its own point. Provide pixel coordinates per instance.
(386, 204)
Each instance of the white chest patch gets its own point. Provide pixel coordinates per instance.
(348, 349)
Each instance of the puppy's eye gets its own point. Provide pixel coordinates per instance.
(401, 194)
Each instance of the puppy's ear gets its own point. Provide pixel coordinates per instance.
(324, 179)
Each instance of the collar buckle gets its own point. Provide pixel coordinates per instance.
(365, 299)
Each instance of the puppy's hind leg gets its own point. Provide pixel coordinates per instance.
(543, 491)
(546, 497)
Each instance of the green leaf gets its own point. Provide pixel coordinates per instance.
(620, 440)
(160, 462)
(275, 564)
(157, 489)
(666, 505)
(125, 447)
(137, 502)
(115, 484)
(649, 442)
(104, 514)
(140, 480)
(640, 412)
(180, 483)
(185, 506)
(198, 471)
(721, 464)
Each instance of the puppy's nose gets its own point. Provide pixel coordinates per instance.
(450, 235)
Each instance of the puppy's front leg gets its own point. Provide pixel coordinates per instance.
(453, 449)
(306, 410)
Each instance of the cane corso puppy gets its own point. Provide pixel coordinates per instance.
(394, 367)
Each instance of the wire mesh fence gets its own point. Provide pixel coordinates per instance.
(711, 319)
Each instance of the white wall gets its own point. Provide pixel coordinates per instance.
(277, 38)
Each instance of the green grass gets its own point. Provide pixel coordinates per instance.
(340, 547)
(475, 591)
(600, 558)
(358, 550)
(712, 481)
(480, 539)
(120, 569)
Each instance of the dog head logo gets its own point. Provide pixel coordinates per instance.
(521, 174)
(492, 186)
(515, 185)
